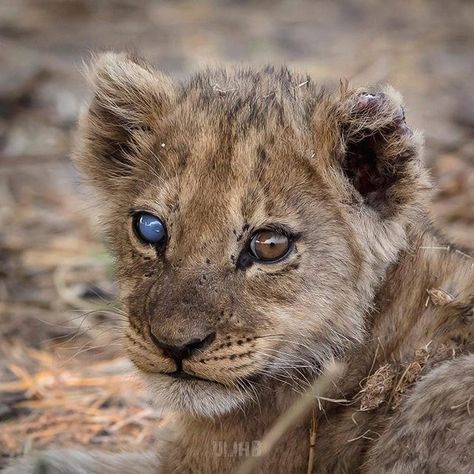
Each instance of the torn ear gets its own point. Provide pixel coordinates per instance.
(366, 139)
(128, 100)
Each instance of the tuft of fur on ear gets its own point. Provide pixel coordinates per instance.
(128, 100)
(366, 140)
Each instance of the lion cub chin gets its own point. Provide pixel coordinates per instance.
(264, 227)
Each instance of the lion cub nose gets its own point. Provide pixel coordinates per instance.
(180, 352)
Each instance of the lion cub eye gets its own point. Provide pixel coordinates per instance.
(149, 228)
(269, 245)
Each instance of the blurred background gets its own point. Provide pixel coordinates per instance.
(63, 377)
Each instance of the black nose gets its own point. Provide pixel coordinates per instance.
(186, 350)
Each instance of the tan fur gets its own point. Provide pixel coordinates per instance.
(225, 154)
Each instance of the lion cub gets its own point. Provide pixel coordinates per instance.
(264, 227)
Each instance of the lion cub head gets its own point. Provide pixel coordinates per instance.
(252, 216)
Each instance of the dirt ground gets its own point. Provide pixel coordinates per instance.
(63, 377)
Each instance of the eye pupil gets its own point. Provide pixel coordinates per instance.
(268, 245)
(149, 228)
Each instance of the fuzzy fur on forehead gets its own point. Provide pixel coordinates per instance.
(253, 96)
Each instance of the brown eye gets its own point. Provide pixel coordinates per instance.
(269, 246)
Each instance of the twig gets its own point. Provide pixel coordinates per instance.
(312, 441)
(288, 419)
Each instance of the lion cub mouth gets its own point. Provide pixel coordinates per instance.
(180, 374)
(226, 360)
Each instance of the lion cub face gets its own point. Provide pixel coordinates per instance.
(252, 216)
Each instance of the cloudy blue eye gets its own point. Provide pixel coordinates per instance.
(149, 228)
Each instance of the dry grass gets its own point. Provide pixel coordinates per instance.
(98, 403)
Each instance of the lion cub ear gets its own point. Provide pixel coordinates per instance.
(364, 139)
(128, 100)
